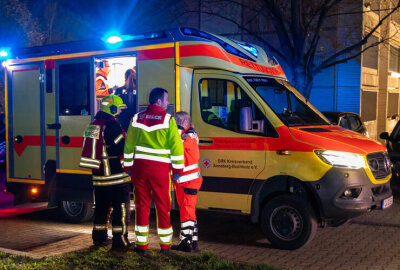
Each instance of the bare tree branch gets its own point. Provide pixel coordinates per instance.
(331, 60)
(260, 39)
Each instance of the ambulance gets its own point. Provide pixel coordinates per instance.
(265, 150)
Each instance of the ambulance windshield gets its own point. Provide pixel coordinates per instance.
(286, 102)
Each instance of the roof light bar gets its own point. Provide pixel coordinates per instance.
(230, 49)
(114, 39)
(249, 48)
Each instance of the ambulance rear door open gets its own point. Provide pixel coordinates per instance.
(25, 126)
(74, 109)
(231, 128)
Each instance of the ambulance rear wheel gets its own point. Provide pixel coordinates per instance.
(288, 222)
(76, 212)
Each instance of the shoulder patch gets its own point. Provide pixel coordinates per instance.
(92, 131)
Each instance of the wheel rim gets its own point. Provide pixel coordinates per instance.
(286, 223)
(73, 208)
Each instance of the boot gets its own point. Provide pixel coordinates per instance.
(120, 246)
(184, 246)
(195, 238)
(120, 241)
(195, 246)
(100, 238)
(164, 251)
(140, 252)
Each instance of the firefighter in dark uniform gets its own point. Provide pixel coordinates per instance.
(103, 148)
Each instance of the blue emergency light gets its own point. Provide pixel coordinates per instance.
(113, 39)
(249, 48)
(4, 53)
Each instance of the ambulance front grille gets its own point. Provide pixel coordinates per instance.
(379, 164)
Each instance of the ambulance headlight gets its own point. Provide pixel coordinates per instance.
(341, 159)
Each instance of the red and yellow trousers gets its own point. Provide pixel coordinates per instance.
(186, 196)
(151, 180)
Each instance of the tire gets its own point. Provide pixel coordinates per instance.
(76, 212)
(288, 222)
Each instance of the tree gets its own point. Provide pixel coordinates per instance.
(297, 31)
(17, 25)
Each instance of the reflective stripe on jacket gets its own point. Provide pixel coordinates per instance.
(101, 84)
(103, 149)
(153, 135)
(191, 176)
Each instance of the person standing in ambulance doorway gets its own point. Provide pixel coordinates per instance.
(153, 147)
(102, 88)
(102, 152)
(187, 184)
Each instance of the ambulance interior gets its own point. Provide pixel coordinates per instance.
(111, 71)
(117, 75)
(225, 104)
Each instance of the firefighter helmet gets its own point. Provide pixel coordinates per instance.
(112, 104)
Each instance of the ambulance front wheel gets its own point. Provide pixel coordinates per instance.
(288, 222)
(76, 212)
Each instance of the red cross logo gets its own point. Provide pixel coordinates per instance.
(206, 163)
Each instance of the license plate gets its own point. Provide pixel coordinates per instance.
(387, 202)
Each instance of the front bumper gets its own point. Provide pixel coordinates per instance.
(330, 188)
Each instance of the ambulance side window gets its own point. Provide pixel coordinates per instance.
(226, 105)
(74, 89)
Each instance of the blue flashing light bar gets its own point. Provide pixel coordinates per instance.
(230, 49)
(114, 39)
(249, 48)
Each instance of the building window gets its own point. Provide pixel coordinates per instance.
(370, 56)
(369, 101)
(74, 89)
(394, 59)
(393, 104)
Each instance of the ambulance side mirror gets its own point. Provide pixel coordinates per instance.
(384, 136)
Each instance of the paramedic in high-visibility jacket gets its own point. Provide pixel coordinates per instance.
(187, 184)
(153, 147)
(102, 152)
(102, 88)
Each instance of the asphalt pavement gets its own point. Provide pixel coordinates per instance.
(371, 241)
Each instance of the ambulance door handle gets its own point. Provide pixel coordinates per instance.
(18, 139)
(54, 126)
(205, 142)
(65, 140)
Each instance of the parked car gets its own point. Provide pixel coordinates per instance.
(348, 120)
(393, 146)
